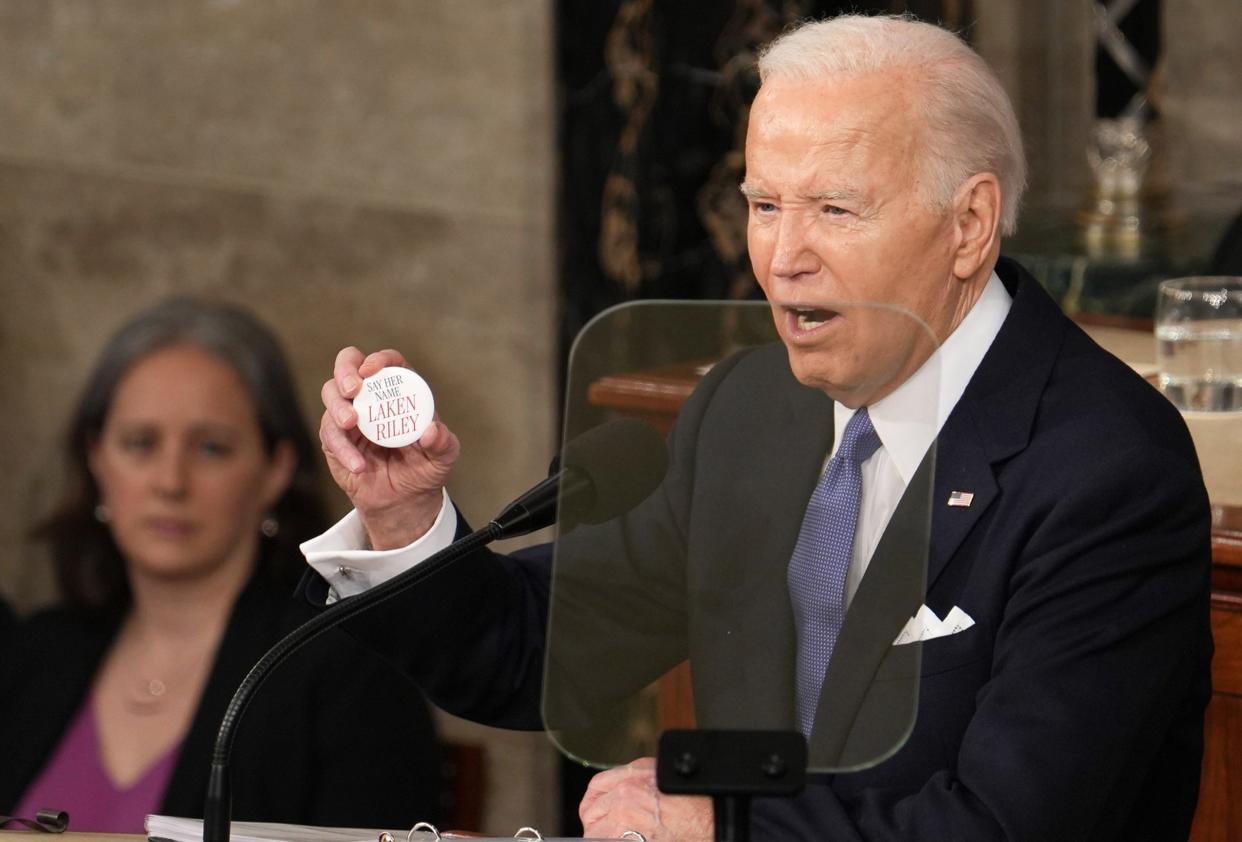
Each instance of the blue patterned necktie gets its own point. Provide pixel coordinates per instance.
(821, 560)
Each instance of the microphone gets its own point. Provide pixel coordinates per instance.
(602, 473)
(606, 472)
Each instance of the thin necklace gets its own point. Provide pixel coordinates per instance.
(147, 698)
(150, 692)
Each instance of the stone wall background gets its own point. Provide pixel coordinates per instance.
(1044, 53)
(378, 173)
(1202, 99)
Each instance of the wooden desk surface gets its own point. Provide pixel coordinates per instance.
(1227, 551)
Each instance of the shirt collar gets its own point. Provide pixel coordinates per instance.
(909, 419)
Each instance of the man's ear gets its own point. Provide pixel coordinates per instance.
(976, 217)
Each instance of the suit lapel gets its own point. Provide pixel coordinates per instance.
(966, 468)
(992, 421)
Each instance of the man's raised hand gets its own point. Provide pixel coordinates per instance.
(398, 492)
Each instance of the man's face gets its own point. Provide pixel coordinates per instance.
(837, 220)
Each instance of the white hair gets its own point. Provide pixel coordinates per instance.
(969, 120)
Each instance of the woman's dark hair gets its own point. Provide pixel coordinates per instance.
(89, 567)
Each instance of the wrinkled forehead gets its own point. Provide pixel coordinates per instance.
(850, 117)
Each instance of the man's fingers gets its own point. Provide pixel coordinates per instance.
(381, 359)
(438, 441)
(624, 785)
(629, 804)
(345, 371)
(642, 769)
(338, 445)
(611, 778)
(341, 410)
(351, 368)
(431, 439)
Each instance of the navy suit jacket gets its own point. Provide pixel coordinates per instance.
(1072, 709)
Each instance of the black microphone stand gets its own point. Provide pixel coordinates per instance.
(218, 807)
(533, 510)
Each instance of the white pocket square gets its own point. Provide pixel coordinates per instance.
(925, 625)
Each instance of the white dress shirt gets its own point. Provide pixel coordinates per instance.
(907, 422)
(909, 419)
(342, 558)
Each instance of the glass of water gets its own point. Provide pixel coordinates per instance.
(1199, 343)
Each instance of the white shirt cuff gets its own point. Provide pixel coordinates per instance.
(341, 558)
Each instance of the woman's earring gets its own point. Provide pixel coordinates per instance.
(102, 513)
(270, 527)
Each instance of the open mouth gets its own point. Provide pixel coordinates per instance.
(809, 318)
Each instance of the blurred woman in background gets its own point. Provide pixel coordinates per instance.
(176, 551)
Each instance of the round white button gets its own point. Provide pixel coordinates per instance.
(394, 407)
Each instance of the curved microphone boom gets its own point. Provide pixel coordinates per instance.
(605, 472)
(600, 474)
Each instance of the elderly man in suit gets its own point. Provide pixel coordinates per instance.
(1068, 522)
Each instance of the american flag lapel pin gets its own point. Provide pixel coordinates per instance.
(961, 498)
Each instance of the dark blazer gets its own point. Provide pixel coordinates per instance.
(1072, 709)
(334, 737)
(6, 620)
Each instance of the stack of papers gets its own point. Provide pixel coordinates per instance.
(174, 829)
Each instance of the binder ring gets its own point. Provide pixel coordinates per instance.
(634, 834)
(530, 831)
(425, 826)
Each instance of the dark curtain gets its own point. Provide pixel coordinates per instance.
(1117, 83)
(654, 98)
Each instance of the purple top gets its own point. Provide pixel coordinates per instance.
(74, 780)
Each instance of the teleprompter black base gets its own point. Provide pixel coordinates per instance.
(732, 767)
